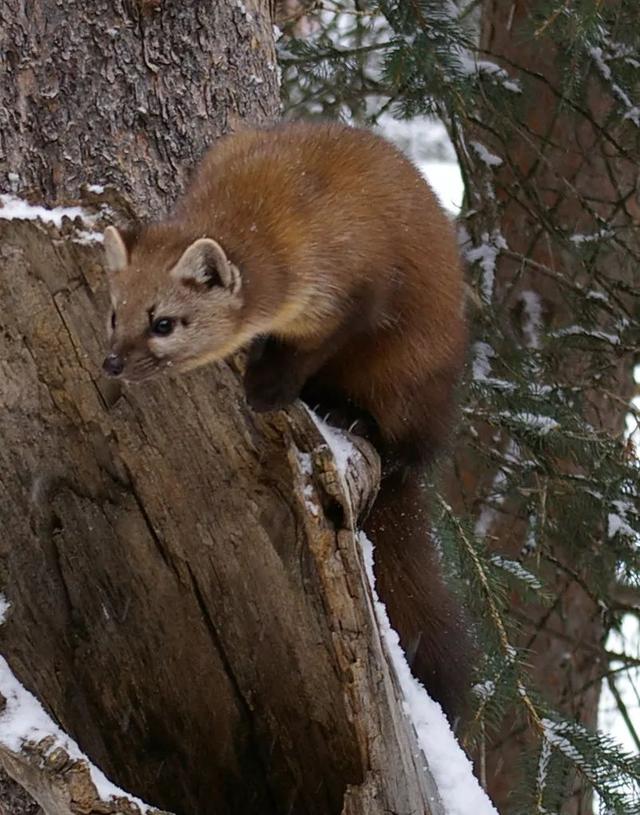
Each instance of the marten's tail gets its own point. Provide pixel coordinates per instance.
(410, 582)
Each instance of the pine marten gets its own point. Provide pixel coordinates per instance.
(323, 249)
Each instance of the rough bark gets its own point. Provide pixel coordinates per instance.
(186, 593)
(127, 93)
(564, 167)
(14, 800)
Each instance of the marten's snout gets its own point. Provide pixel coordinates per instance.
(113, 365)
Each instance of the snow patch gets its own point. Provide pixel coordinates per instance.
(240, 5)
(543, 767)
(617, 522)
(553, 732)
(16, 209)
(485, 254)
(13, 208)
(24, 720)
(601, 234)
(600, 296)
(483, 353)
(86, 236)
(532, 318)
(531, 544)
(426, 142)
(485, 156)
(309, 500)
(338, 442)
(484, 690)
(445, 180)
(578, 330)
(306, 468)
(535, 421)
(483, 66)
(451, 769)
(5, 605)
(616, 525)
(633, 111)
(517, 570)
(489, 512)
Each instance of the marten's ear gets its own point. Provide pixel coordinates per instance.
(117, 248)
(204, 263)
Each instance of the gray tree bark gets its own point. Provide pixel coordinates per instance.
(128, 92)
(186, 592)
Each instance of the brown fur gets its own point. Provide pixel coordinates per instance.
(348, 266)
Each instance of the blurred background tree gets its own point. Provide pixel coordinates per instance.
(537, 509)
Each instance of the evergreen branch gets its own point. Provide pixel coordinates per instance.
(334, 54)
(626, 597)
(597, 601)
(541, 775)
(473, 4)
(560, 278)
(596, 680)
(551, 19)
(507, 649)
(598, 651)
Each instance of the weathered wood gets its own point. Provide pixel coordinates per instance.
(14, 799)
(187, 597)
(61, 784)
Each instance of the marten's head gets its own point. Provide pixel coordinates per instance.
(174, 303)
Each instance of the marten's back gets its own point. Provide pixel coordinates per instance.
(340, 211)
(325, 196)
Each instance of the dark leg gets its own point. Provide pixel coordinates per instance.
(277, 370)
(275, 374)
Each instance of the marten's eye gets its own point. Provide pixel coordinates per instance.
(163, 326)
(113, 321)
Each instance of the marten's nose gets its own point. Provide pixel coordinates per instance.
(113, 365)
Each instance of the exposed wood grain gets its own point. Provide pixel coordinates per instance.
(187, 597)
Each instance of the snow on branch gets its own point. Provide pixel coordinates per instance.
(632, 111)
(50, 765)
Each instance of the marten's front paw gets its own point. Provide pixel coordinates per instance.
(269, 389)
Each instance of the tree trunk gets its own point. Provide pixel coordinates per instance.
(127, 92)
(186, 594)
(562, 169)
